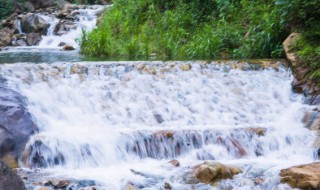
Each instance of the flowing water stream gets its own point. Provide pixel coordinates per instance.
(121, 122)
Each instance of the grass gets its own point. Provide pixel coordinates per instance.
(186, 29)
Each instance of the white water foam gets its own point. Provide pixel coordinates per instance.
(105, 121)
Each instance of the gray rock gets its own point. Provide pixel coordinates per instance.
(16, 124)
(33, 39)
(9, 179)
(33, 23)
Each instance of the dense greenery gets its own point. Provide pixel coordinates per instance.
(6, 8)
(303, 16)
(205, 29)
(189, 29)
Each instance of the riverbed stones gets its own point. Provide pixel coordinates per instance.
(211, 172)
(305, 176)
(9, 179)
(33, 23)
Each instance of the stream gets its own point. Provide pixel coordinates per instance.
(112, 123)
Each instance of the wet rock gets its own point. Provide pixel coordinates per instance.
(167, 186)
(167, 134)
(175, 163)
(33, 39)
(44, 188)
(33, 23)
(61, 44)
(63, 27)
(130, 186)
(9, 179)
(68, 48)
(158, 118)
(210, 172)
(16, 124)
(185, 67)
(304, 176)
(60, 183)
(258, 130)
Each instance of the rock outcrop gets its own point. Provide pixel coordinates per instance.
(302, 83)
(16, 125)
(304, 176)
(9, 179)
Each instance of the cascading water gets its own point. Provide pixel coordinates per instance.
(122, 122)
(62, 32)
(85, 19)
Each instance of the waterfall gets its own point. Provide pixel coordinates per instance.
(85, 19)
(120, 122)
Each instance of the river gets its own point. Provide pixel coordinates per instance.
(120, 122)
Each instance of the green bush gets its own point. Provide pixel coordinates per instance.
(6, 8)
(182, 29)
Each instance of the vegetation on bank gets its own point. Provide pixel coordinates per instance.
(6, 8)
(180, 29)
(303, 16)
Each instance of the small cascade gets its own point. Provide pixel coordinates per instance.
(122, 122)
(19, 27)
(84, 19)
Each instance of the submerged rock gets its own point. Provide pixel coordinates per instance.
(211, 172)
(175, 163)
(304, 176)
(9, 179)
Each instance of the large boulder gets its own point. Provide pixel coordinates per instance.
(33, 23)
(16, 125)
(9, 179)
(304, 176)
(211, 172)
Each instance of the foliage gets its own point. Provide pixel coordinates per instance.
(6, 8)
(180, 29)
(304, 16)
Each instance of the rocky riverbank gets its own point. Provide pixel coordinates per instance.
(42, 18)
(304, 176)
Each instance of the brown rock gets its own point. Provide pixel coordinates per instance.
(210, 172)
(60, 183)
(68, 48)
(185, 67)
(130, 186)
(304, 176)
(258, 130)
(167, 186)
(292, 57)
(175, 163)
(168, 134)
